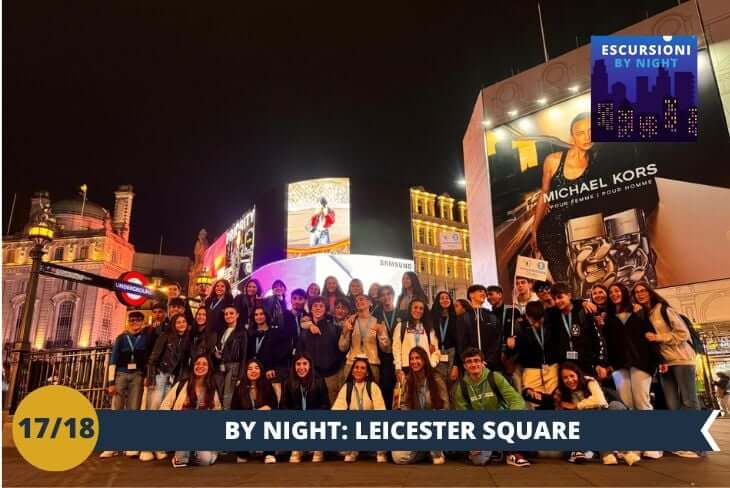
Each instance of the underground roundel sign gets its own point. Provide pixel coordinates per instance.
(131, 288)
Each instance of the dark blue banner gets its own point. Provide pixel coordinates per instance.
(233, 430)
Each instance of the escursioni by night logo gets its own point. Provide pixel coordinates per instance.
(644, 88)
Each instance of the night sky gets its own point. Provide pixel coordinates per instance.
(200, 107)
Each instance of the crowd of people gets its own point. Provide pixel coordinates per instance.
(323, 348)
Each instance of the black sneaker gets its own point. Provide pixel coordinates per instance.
(178, 464)
(576, 457)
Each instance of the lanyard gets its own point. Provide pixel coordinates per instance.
(304, 397)
(216, 303)
(479, 329)
(417, 331)
(540, 340)
(132, 347)
(259, 342)
(358, 397)
(297, 318)
(363, 334)
(568, 324)
(504, 315)
(389, 323)
(422, 396)
(444, 326)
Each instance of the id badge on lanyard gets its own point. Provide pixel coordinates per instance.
(568, 324)
(132, 365)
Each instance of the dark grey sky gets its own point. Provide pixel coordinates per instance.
(201, 105)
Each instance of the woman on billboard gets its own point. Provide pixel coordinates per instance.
(320, 223)
(560, 169)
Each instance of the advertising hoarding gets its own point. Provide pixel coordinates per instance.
(318, 217)
(230, 257)
(601, 213)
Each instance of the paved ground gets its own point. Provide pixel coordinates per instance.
(713, 470)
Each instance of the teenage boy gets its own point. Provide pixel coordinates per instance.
(125, 381)
(579, 339)
(174, 290)
(320, 339)
(387, 314)
(510, 321)
(524, 293)
(537, 348)
(542, 289)
(298, 308)
(229, 355)
(482, 389)
(482, 327)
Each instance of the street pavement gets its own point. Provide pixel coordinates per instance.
(711, 470)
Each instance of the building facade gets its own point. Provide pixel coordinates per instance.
(441, 247)
(88, 238)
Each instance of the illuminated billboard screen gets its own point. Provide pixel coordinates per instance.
(239, 248)
(230, 257)
(318, 217)
(602, 213)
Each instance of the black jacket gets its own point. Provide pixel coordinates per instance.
(627, 345)
(586, 339)
(529, 351)
(244, 310)
(317, 396)
(504, 319)
(323, 348)
(451, 330)
(275, 349)
(202, 342)
(215, 312)
(170, 355)
(242, 400)
(234, 350)
(491, 342)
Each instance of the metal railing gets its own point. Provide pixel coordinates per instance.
(83, 369)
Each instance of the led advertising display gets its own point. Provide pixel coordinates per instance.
(239, 248)
(602, 213)
(318, 217)
(230, 257)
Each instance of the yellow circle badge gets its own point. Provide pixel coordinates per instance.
(55, 428)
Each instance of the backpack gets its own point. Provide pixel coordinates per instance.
(492, 384)
(694, 337)
(351, 385)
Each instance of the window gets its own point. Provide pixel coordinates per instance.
(452, 292)
(58, 254)
(449, 269)
(419, 208)
(106, 323)
(10, 257)
(63, 325)
(422, 265)
(68, 285)
(421, 235)
(84, 253)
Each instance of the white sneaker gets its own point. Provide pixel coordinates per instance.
(687, 454)
(269, 459)
(296, 457)
(350, 457)
(382, 457)
(131, 453)
(631, 458)
(318, 457)
(609, 459)
(146, 456)
(241, 460)
(439, 459)
(108, 454)
(653, 454)
(160, 455)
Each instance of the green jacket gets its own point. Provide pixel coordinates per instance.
(482, 396)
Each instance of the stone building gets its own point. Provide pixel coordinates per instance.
(440, 243)
(88, 238)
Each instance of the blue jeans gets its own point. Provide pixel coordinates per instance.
(198, 458)
(679, 388)
(480, 458)
(157, 394)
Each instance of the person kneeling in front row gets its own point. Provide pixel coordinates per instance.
(482, 389)
(197, 393)
(424, 389)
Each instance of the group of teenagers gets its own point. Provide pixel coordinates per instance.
(375, 350)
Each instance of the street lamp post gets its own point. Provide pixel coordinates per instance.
(41, 233)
